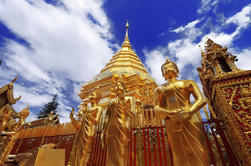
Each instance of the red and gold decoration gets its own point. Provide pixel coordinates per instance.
(228, 91)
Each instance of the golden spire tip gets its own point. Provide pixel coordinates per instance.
(127, 24)
(126, 40)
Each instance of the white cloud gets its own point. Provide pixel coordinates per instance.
(30, 96)
(67, 45)
(60, 40)
(244, 59)
(4, 76)
(186, 52)
(154, 60)
(31, 117)
(189, 30)
(241, 19)
(76, 88)
(188, 26)
(207, 5)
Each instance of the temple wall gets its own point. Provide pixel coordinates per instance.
(32, 138)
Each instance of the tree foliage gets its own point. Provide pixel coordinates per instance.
(47, 108)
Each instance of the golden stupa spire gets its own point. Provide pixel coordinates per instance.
(127, 26)
(126, 42)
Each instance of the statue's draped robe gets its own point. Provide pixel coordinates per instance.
(186, 138)
(187, 144)
(117, 134)
(84, 138)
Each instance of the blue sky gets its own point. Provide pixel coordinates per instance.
(55, 46)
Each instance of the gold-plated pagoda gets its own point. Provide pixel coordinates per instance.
(124, 62)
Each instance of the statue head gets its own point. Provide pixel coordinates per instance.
(169, 69)
(94, 97)
(119, 88)
(119, 85)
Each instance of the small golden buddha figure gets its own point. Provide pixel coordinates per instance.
(22, 115)
(246, 97)
(86, 130)
(245, 102)
(81, 111)
(116, 129)
(172, 103)
(75, 123)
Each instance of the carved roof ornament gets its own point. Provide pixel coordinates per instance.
(7, 98)
(214, 50)
(203, 54)
(217, 60)
(216, 63)
(6, 94)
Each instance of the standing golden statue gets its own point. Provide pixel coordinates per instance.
(116, 128)
(172, 103)
(86, 130)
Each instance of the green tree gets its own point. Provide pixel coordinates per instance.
(47, 108)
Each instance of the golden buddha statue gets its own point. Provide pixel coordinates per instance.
(245, 102)
(81, 111)
(172, 103)
(116, 128)
(75, 123)
(22, 115)
(86, 130)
